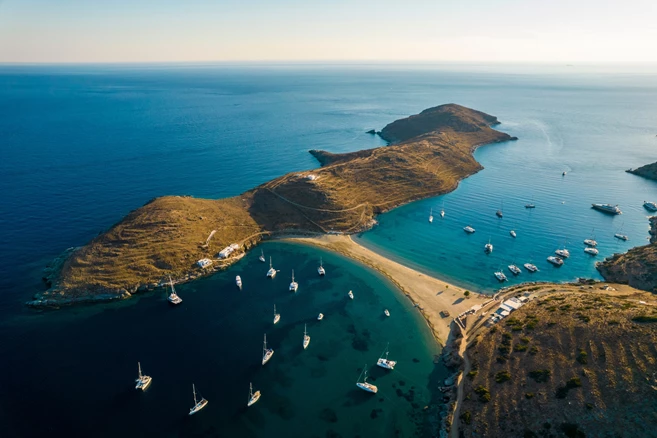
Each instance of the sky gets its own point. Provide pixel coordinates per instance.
(529, 31)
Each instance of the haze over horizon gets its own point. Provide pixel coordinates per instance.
(76, 31)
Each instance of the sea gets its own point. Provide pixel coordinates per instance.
(83, 145)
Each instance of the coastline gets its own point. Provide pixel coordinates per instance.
(429, 294)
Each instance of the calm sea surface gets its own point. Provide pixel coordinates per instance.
(82, 146)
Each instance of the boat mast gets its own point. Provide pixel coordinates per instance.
(139, 366)
(264, 348)
(305, 326)
(270, 267)
(292, 275)
(194, 391)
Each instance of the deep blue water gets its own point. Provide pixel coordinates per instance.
(82, 146)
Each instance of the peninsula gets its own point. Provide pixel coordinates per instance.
(648, 171)
(185, 237)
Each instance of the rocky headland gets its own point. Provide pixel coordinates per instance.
(428, 155)
(648, 171)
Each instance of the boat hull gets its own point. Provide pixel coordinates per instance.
(200, 405)
(367, 387)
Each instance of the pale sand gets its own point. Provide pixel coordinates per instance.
(431, 294)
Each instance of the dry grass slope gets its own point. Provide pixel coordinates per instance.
(568, 364)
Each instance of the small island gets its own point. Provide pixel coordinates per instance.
(184, 237)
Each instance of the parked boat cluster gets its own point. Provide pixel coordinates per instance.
(562, 253)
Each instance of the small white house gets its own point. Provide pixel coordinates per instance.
(204, 263)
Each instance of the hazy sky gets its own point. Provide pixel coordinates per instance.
(571, 31)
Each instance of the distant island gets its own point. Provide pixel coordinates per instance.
(648, 171)
(184, 237)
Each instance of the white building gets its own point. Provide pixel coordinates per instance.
(228, 250)
(204, 263)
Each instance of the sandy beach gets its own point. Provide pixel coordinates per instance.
(431, 295)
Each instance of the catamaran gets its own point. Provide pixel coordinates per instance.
(272, 272)
(320, 317)
(563, 253)
(590, 250)
(431, 215)
(277, 316)
(267, 353)
(262, 256)
(500, 276)
(556, 261)
(321, 270)
(364, 385)
(294, 285)
(530, 267)
(306, 338)
(173, 297)
(238, 281)
(351, 295)
(488, 248)
(514, 270)
(253, 396)
(468, 229)
(142, 381)
(198, 404)
(386, 363)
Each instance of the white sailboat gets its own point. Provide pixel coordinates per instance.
(364, 385)
(267, 353)
(253, 396)
(294, 285)
(321, 270)
(431, 215)
(442, 211)
(620, 234)
(238, 281)
(320, 317)
(386, 363)
(306, 338)
(272, 272)
(488, 248)
(142, 381)
(262, 256)
(591, 250)
(173, 297)
(351, 295)
(277, 316)
(198, 404)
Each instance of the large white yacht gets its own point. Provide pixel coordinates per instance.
(198, 404)
(272, 272)
(142, 381)
(468, 229)
(386, 363)
(253, 396)
(321, 271)
(294, 285)
(306, 338)
(556, 261)
(173, 297)
(364, 385)
(607, 208)
(267, 353)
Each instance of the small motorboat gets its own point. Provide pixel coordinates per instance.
(320, 317)
(513, 233)
(468, 229)
(321, 271)
(386, 312)
(351, 295)
(650, 206)
(238, 281)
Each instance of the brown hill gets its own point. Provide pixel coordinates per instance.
(648, 171)
(637, 267)
(575, 364)
(168, 235)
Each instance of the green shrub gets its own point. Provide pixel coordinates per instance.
(540, 375)
(472, 374)
(466, 417)
(613, 322)
(644, 318)
(483, 393)
(502, 376)
(525, 340)
(533, 350)
(529, 395)
(582, 357)
(519, 347)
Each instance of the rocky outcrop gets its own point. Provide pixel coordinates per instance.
(648, 171)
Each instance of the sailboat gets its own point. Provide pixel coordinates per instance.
(142, 381)
(531, 204)
(262, 256)
(591, 240)
(431, 215)
(173, 297)
(267, 353)
(198, 404)
(488, 248)
(277, 316)
(620, 234)
(321, 270)
(272, 272)
(364, 385)
(499, 213)
(306, 338)
(253, 396)
(386, 363)
(442, 211)
(294, 285)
